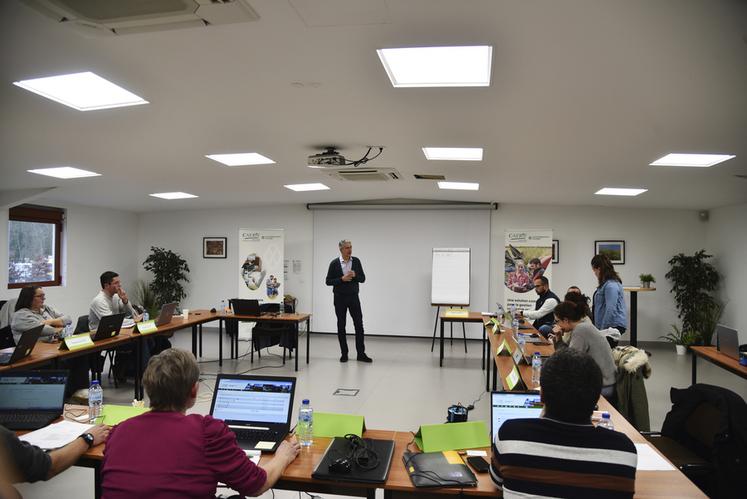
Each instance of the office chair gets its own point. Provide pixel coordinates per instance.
(705, 436)
(266, 334)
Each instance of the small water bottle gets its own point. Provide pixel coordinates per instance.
(222, 306)
(146, 315)
(282, 306)
(606, 422)
(536, 368)
(521, 340)
(514, 320)
(95, 400)
(305, 427)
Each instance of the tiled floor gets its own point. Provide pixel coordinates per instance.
(401, 390)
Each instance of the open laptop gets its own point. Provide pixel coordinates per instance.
(30, 400)
(24, 347)
(167, 312)
(256, 408)
(727, 341)
(109, 327)
(245, 307)
(506, 405)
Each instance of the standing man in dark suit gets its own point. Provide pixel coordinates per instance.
(343, 275)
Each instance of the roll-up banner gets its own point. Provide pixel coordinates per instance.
(260, 266)
(528, 255)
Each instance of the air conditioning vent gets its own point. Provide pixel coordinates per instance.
(117, 17)
(422, 176)
(366, 174)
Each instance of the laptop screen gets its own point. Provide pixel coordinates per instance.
(32, 391)
(512, 405)
(253, 400)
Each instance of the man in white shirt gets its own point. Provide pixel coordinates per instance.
(542, 314)
(112, 299)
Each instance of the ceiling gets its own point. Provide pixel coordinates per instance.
(584, 94)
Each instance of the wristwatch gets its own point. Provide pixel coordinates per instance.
(88, 438)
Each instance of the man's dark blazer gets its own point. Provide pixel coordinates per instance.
(334, 277)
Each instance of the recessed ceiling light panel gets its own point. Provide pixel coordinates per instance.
(173, 195)
(619, 191)
(453, 153)
(460, 186)
(306, 187)
(65, 172)
(82, 91)
(241, 159)
(692, 160)
(438, 66)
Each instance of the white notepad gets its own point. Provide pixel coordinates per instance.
(650, 460)
(56, 435)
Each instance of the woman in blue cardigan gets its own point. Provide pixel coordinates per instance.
(609, 300)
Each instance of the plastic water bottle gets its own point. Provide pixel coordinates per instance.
(521, 340)
(146, 315)
(95, 400)
(536, 368)
(514, 320)
(282, 306)
(305, 427)
(606, 422)
(68, 329)
(222, 306)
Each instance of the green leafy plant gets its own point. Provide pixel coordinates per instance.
(145, 297)
(680, 336)
(708, 317)
(694, 280)
(646, 278)
(169, 271)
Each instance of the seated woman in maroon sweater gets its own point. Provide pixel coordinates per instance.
(168, 454)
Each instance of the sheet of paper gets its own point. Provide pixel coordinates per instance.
(650, 460)
(253, 455)
(477, 452)
(56, 435)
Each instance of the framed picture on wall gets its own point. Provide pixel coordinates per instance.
(615, 250)
(555, 251)
(214, 247)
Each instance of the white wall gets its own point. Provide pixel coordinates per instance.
(95, 240)
(214, 279)
(652, 237)
(726, 237)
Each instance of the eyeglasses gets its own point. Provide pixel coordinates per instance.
(39, 296)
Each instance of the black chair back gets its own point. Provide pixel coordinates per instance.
(6, 338)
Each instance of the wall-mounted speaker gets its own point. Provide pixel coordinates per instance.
(703, 215)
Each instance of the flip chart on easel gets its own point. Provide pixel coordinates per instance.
(450, 276)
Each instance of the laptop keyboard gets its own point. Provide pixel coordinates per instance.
(26, 418)
(254, 435)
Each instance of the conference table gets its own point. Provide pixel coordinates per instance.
(284, 318)
(462, 316)
(712, 355)
(647, 483)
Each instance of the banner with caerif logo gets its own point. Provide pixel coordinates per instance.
(528, 255)
(260, 266)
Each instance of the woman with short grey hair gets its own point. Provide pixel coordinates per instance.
(166, 452)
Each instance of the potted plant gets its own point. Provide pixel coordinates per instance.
(646, 280)
(169, 271)
(681, 338)
(145, 297)
(694, 280)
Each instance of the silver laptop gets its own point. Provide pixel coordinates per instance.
(167, 312)
(727, 341)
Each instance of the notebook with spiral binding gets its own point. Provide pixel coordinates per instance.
(438, 469)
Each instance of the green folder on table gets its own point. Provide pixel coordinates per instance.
(452, 436)
(329, 424)
(114, 414)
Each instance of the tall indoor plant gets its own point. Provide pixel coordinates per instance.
(694, 280)
(169, 271)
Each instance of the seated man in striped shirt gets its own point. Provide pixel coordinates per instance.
(561, 454)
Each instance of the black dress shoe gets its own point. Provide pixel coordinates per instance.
(344, 358)
(365, 358)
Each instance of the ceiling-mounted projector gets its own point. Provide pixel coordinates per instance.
(331, 158)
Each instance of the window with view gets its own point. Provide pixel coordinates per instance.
(34, 242)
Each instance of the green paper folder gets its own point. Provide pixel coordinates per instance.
(114, 414)
(452, 436)
(329, 424)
